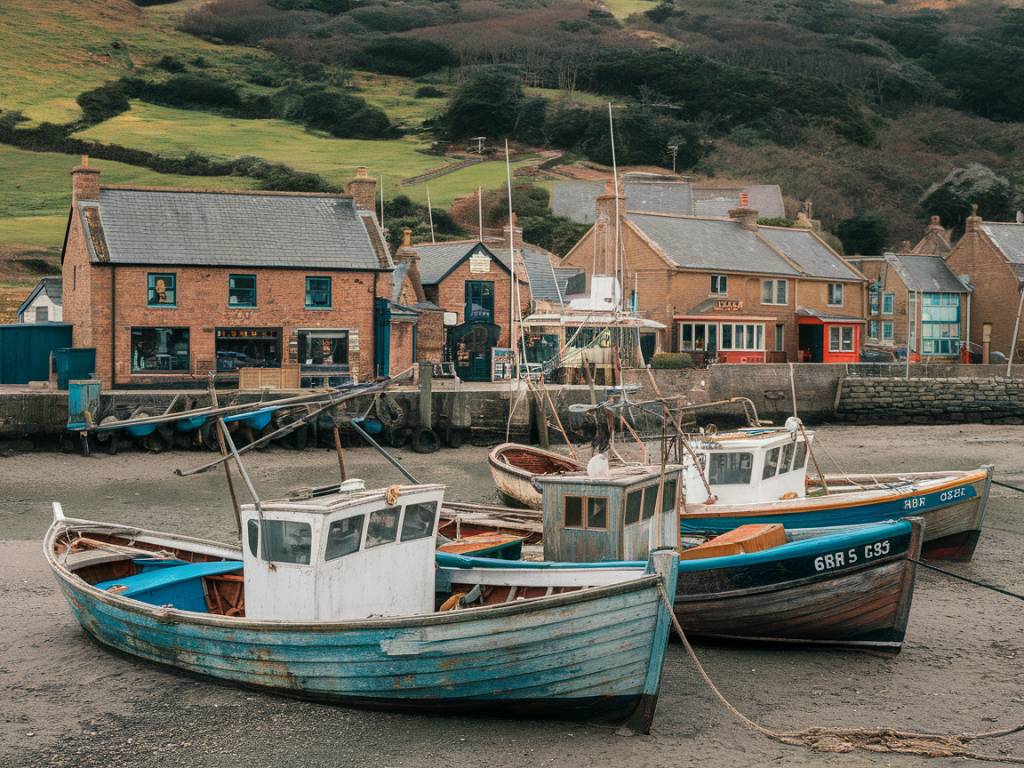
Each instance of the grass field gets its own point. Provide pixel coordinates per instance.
(623, 8)
(51, 51)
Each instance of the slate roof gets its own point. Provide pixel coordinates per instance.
(574, 200)
(398, 280)
(53, 287)
(814, 257)
(659, 196)
(766, 199)
(547, 282)
(713, 244)
(182, 227)
(438, 259)
(929, 274)
(1008, 238)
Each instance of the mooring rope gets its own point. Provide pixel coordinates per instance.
(976, 583)
(1007, 485)
(823, 739)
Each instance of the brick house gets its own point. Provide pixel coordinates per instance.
(916, 303)
(472, 280)
(167, 284)
(991, 256)
(749, 293)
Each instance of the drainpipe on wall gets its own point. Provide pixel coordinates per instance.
(113, 325)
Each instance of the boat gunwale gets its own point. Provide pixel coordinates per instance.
(164, 615)
(853, 499)
(497, 461)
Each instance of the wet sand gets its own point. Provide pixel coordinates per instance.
(67, 702)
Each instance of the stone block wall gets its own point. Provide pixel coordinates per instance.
(932, 401)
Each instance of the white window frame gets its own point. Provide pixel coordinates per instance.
(875, 302)
(837, 341)
(774, 287)
(835, 289)
(719, 285)
(888, 330)
(746, 332)
(890, 299)
(872, 329)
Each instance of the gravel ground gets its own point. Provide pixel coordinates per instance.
(67, 702)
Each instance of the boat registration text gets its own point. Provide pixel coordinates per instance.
(853, 555)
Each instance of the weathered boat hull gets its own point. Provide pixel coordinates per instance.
(952, 506)
(595, 654)
(864, 603)
(850, 588)
(513, 467)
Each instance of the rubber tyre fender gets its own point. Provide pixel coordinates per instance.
(454, 437)
(397, 438)
(425, 440)
(155, 442)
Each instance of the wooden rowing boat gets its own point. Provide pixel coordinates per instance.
(514, 466)
(850, 588)
(321, 603)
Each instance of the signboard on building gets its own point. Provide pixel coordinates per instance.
(478, 262)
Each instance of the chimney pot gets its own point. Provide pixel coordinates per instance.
(973, 222)
(744, 200)
(407, 238)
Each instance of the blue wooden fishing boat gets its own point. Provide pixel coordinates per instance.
(850, 585)
(333, 598)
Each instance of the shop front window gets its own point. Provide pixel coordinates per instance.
(159, 349)
(323, 347)
(248, 348)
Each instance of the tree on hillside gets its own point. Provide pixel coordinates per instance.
(487, 104)
(865, 234)
(951, 198)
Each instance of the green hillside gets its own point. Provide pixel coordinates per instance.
(857, 106)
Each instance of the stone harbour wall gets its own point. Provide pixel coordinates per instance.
(931, 401)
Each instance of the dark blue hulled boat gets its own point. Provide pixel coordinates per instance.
(849, 586)
(333, 598)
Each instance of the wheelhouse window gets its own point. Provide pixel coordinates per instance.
(160, 349)
(888, 299)
(840, 338)
(800, 457)
(253, 529)
(241, 291)
(634, 501)
(835, 294)
(650, 502)
(318, 293)
(247, 348)
(668, 499)
(479, 301)
(586, 512)
(418, 522)
(787, 458)
(383, 526)
(323, 347)
(730, 468)
(719, 285)
(773, 292)
(286, 542)
(771, 463)
(161, 289)
(344, 537)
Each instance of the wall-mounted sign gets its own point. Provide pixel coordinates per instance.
(501, 363)
(478, 262)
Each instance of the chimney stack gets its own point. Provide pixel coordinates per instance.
(406, 252)
(606, 202)
(745, 215)
(744, 200)
(85, 182)
(363, 189)
(973, 222)
(935, 225)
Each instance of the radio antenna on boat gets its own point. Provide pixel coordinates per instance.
(615, 179)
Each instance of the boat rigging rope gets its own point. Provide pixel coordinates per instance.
(976, 583)
(849, 739)
(1007, 485)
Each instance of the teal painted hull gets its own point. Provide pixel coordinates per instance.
(595, 654)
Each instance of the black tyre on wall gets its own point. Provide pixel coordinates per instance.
(425, 440)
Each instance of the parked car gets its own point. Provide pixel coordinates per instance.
(882, 354)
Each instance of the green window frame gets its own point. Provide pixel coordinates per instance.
(479, 301)
(162, 289)
(940, 324)
(318, 292)
(241, 291)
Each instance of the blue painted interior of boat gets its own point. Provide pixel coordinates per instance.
(831, 542)
(255, 419)
(180, 586)
(145, 564)
(141, 430)
(189, 423)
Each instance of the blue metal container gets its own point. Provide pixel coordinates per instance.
(73, 363)
(25, 350)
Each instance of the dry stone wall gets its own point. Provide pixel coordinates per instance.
(931, 401)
